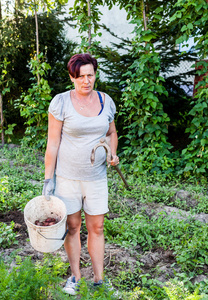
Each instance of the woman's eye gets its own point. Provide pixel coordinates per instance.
(82, 76)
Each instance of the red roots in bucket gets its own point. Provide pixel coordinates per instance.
(47, 222)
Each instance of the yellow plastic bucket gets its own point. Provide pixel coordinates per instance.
(46, 238)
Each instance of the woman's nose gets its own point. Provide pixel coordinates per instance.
(86, 79)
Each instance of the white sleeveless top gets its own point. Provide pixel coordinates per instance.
(79, 136)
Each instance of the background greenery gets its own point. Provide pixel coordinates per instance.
(161, 128)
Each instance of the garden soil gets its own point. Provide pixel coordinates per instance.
(116, 258)
(158, 263)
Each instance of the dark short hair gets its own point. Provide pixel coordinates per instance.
(78, 60)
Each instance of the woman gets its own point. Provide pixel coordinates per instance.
(78, 119)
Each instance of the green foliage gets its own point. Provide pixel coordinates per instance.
(151, 155)
(159, 189)
(135, 294)
(144, 118)
(139, 226)
(147, 118)
(87, 20)
(34, 106)
(192, 17)
(88, 292)
(48, 5)
(41, 280)
(17, 44)
(187, 240)
(196, 153)
(16, 186)
(136, 225)
(5, 83)
(8, 48)
(7, 235)
(9, 131)
(177, 290)
(21, 156)
(16, 192)
(128, 280)
(30, 281)
(4, 191)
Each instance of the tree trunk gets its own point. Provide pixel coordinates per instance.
(2, 119)
(144, 15)
(89, 28)
(0, 11)
(37, 40)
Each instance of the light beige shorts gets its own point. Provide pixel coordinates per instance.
(92, 196)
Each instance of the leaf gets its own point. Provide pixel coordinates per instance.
(80, 16)
(140, 132)
(148, 37)
(158, 9)
(157, 132)
(190, 26)
(203, 142)
(181, 39)
(153, 104)
(144, 280)
(184, 28)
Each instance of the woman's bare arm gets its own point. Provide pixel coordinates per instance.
(112, 139)
(54, 137)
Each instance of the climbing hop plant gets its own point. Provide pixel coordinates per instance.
(87, 16)
(193, 17)
(146, 123)
(34, 103)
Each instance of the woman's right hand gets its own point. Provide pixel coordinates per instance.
(115, 160)
(48, 188)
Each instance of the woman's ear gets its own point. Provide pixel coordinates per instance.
(72, 78)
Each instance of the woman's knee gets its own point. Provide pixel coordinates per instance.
(73, 224)
(94, 224)
(96, 228)
(73, 229)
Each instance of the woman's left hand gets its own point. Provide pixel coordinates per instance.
(115, 160)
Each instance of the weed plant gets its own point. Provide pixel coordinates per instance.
(7, 235)
(28, 280)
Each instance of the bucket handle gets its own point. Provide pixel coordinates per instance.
(63, 237)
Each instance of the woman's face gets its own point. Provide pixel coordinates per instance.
(84, 84)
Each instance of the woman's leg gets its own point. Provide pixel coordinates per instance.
(96, 243)
(72, 243)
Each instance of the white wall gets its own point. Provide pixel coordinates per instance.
(115, 19)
